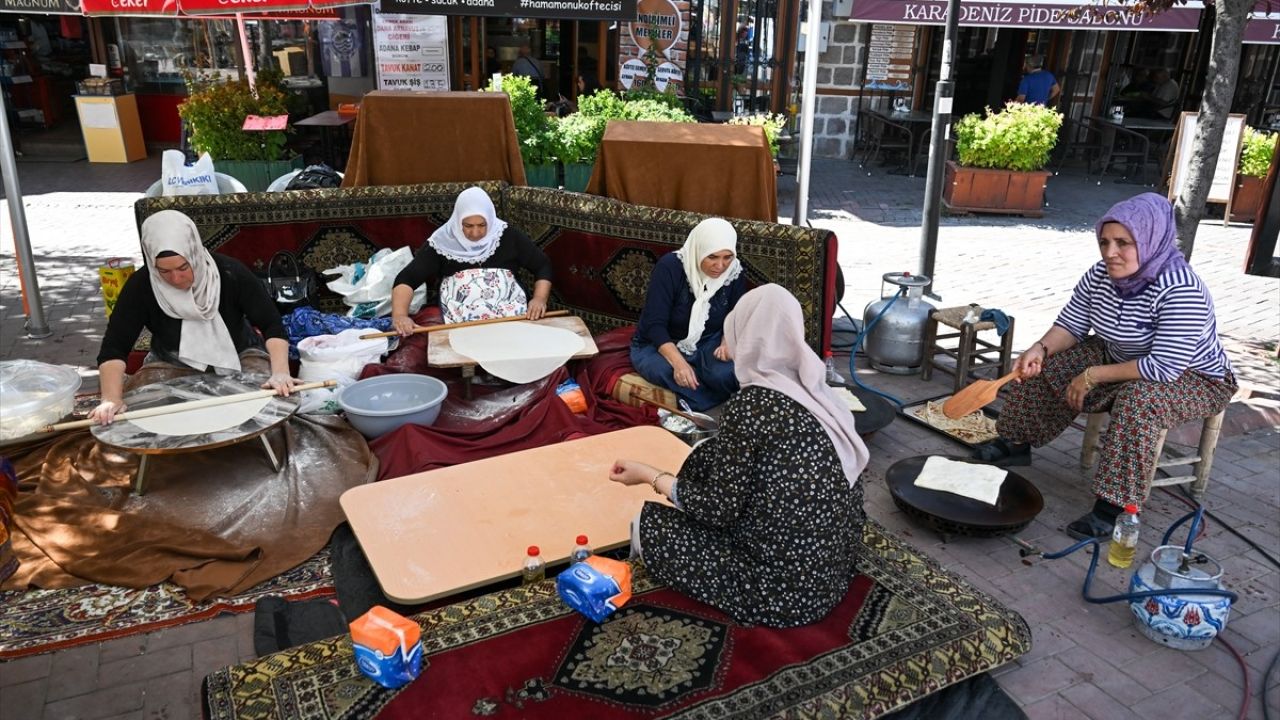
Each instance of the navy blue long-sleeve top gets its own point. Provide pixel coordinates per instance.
(665, 317)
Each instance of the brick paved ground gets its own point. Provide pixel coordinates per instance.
(1087, 660)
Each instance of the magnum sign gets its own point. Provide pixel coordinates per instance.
(555, 9)
(52, 7)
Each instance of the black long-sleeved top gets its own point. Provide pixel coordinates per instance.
(515, 250)
(242, 298)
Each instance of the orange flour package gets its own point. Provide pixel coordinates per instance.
(388, 647)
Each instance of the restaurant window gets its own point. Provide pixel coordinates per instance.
(158, 50)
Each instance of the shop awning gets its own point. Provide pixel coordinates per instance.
(1264, 24)
(1023, 14)
(48, 7)
(272, 9)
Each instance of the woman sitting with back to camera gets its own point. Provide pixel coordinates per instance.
(475, 256)
(1138, 338)
(679, 341)
(768, 512)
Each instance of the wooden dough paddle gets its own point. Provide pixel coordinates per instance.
(977, 395)
(184, 406)
(469, 323)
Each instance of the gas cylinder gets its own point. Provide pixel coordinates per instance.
(895, 344)
(1186, 621)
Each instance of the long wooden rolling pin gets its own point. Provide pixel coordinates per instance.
(182, 407)
(453, 326)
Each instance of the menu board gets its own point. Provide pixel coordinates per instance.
(411, 51)
(890, 56)
(1224, 174)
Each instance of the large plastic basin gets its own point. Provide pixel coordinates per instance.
(34, 394)
(377, 405)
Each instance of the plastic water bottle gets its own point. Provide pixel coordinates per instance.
(535, 568)
(833, 375)
(581, 551)
(1124, 538)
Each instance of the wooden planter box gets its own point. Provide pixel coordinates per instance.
(257, 174)
(1246, 199)
(982, 190)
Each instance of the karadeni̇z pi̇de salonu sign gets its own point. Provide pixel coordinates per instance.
(555, 9)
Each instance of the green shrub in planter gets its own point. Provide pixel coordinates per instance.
(256, 175)
(1259, 148)
(215, 110)
(771, 122)
(1020, 137)
(534, 129)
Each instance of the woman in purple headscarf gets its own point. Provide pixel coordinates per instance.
(1138, 339)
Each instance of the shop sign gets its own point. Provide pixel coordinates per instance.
(657, 22)
(52, 7)
(1024, 14)
(411, 51)
(1263, 27)
(629, 71)
(667, 73)
(553, 9)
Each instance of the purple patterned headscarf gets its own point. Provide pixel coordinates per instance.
(1149, 218)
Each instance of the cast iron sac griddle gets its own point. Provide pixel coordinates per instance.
(880, 412)
(951, 514)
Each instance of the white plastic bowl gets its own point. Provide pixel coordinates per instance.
(34, 394)
(375, 406)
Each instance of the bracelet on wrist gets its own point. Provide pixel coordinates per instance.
(1043, 347)
(1089, 382)
(658, 477)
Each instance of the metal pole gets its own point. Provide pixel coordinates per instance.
(244, 48)
(808, 100)
(37, 326)
(938, 147)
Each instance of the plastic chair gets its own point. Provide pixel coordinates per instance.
(226, 186)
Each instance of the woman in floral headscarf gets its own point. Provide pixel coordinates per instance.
(474, 255)
(1153, 360)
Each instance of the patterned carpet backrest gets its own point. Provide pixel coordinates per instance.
(603, 250)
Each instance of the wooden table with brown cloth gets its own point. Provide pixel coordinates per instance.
(403, 138)
(723, 170)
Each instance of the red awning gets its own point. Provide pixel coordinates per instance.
(252, 9)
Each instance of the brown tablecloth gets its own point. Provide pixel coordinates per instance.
(405, 138)
(721, 170)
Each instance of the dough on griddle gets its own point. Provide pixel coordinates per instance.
(202, 421)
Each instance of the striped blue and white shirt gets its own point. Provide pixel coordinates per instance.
(1169, 328)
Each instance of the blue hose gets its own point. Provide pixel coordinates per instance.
(1097, 550)
(857, 342)
(1191, 535)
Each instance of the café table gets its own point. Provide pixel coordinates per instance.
(328, 121)
(913, 124)
(1137, 134)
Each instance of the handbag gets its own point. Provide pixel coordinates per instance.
(292, 285)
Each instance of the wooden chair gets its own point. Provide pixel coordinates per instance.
(971, 353)
(1202, 460)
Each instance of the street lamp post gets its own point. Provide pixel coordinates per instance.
(37, 326)
(938, 146)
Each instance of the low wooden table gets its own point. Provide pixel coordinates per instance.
(440, 352)
(440, 532)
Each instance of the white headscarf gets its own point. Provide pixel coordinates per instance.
(710, 236)
(448, 239)
(205, 341)
(765, 333)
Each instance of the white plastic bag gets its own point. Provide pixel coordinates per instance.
(338, 357)
(181, 179)
(369, 296)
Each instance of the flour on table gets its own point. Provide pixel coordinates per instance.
(203, 420)
(519, 352)
(971, 480)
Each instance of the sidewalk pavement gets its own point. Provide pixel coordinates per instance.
(1087, 660)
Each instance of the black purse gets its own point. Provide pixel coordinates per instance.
(291, 285)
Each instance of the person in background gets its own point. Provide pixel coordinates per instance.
(1038, 86)
(491, 65)
(767, 513)
(679, 342)
(475, 255)
(1138, 339)
(1164, 96)
(201, 308)
(527, 66)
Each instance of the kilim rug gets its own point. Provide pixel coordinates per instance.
(906, 629)
(40, 621)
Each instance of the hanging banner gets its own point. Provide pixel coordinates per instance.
(342, 51)
(1025, 14)
(652, 48)
(50, 7)
(411, 51)
(553, 9)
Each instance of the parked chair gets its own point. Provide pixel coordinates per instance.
(226, 186)
(1082, 139)
(886, 135)
(1202, 461)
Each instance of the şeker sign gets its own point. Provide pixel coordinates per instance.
(1025, 14)
(48, 7)
(553, 9)
(315, 8)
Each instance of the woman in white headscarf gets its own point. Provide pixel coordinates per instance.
(475, 256)
(768, 512)
(201, 308)
(679, 340)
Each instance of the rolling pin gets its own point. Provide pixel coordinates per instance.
(454, 326)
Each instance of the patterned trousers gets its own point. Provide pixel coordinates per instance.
(1037, 412)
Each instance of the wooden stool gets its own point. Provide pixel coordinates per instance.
(971, 353)
(1202, 461)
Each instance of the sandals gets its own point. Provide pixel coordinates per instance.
(1090, 525)
(1003, 454)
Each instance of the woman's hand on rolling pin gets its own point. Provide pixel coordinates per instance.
(106, 412)
(631, 472)
(537, 308)
(282, 383)
(402, 324)
(684, 374)
(1030, 362)
(722, 352)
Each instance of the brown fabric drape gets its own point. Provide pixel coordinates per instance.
(216, 522)
(406, 138)
(723, 170)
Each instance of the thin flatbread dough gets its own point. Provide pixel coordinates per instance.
(518, 352)
(971, 480)
(855, 405)
(203, 420)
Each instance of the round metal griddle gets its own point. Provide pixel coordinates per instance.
(951, 514)
(880, 412)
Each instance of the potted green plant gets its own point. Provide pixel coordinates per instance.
(534, 129)
(1001, 163)
(772, 123)
(1255, 161)
(579, 135)
(215, 110)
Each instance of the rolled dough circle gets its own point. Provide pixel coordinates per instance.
(203, 420)
(519, 352)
